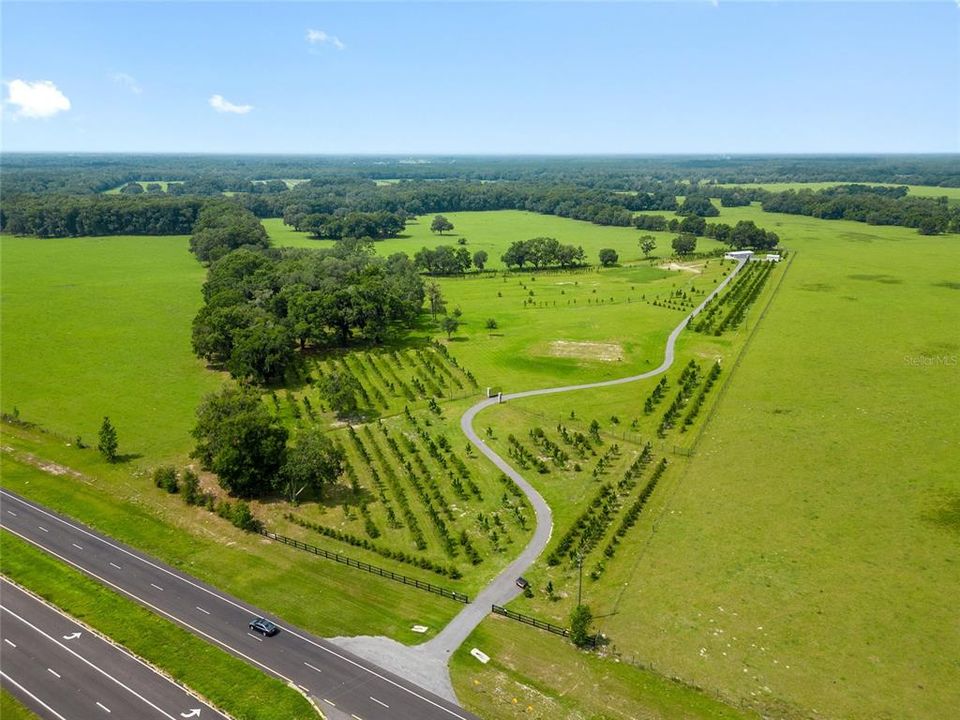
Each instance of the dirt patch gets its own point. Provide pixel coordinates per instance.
(51, 468)
(603, 352)
(696, 269)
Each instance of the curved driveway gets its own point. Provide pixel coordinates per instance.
(503, 587)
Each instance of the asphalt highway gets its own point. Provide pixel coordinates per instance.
(62, 671)
(343, 685)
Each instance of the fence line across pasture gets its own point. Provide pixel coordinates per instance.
(367, 567)
(528, 620)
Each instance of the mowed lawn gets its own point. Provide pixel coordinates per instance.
(805, 560)
(101, 326)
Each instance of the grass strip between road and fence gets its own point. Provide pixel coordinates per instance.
(388, 574)
(12, 709)
(228, 683)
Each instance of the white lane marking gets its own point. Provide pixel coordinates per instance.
(54, 673)
(85, 661)
(103, 706)
(33, 697)
(212, 593)
(158, 610)
(258, 639)
(43, 528)
(330, 703)
(379, 702)
(11, 512)
(312, 667)
(205, 612)
(355, 717)
(304, 688)
(76, 546)
(10, 643)
(157, 587)
(116, 566)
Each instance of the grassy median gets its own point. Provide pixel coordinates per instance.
(239, 689)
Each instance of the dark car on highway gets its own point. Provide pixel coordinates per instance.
(263, 626)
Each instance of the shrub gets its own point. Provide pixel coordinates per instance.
(165, 478)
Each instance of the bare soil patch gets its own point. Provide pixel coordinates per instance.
(604, 352)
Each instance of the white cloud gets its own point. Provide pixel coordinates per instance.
(127, 81)
(221, 104)
(319, 37)
(40, 99)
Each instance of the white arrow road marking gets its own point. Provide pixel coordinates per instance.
(191, 713)
(82, 659)
(10, 643)
(30, 695)
(103, 706)
(53, 672)
(74, 636)
(379, 702)
(312, 667)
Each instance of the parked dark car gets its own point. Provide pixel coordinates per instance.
(523, 583)
(263, 626)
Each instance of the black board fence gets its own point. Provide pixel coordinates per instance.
(526, 619)
(367, 567)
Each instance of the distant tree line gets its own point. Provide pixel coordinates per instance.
(873, 205)
(77, 216)
(258, 174)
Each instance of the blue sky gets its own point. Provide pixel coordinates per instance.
(566, 78)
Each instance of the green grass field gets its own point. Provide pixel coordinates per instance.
(533, 674)
(101, 326)
(494, 231)
(164, 184)
(229, 683)
(805, 557)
